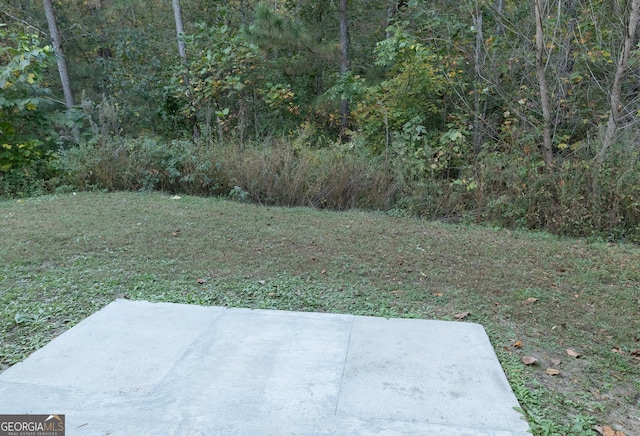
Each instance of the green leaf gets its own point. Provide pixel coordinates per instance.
(32, 104)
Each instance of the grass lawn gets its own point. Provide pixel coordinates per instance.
(64, 257)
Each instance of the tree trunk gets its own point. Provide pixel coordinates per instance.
(177, 13)
(547, 144)
(478, 60)
(344, 64)
(498, 7)
(61, 60)
(615, 103)
(566, 61)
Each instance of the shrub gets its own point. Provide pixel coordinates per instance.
(26, 181)
(144, 164)
(521, 192)
(27, 115)
(281, 174)
(507, 190)
(333, 178)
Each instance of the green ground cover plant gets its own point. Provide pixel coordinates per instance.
(538, 296)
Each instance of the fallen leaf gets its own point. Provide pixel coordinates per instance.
(202, 281)
(617, 351)
(608, 431)
(529, 360)
(531, 300)
(635, 353)
(517, 344)
(462, 315)
(556, 362)
(324, 271)
(576, 295)
(262, 282)
(437, 294)
(571, 352)
(552, 371)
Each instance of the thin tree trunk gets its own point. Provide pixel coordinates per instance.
(256, 121)
(615, 103)
(478, 115)
(177, 13)
(344, 63)
(547, 144)
(499, 9)
(61, 60)
(566, 61)
(209, 131)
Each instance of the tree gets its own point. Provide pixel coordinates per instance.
(478, 62)
(25, 122)
(344, 64)
(177, 13)
(60, 58)
(406, 106)
(616, 105)
(547, 143)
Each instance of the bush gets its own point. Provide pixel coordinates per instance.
(26, 113)
(115, 164)
(521, 192)
(280, 174)
(27, 181)
(506, 190)
(333, 178)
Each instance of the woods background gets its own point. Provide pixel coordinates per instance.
(519, 114)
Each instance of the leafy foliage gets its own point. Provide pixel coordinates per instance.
(444, 97)
(22, 115)
(406, 103)
(139, 165)
(28, 117)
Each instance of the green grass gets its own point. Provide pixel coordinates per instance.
(64, 257)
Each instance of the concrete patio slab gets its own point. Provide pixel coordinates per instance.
(158, 368)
